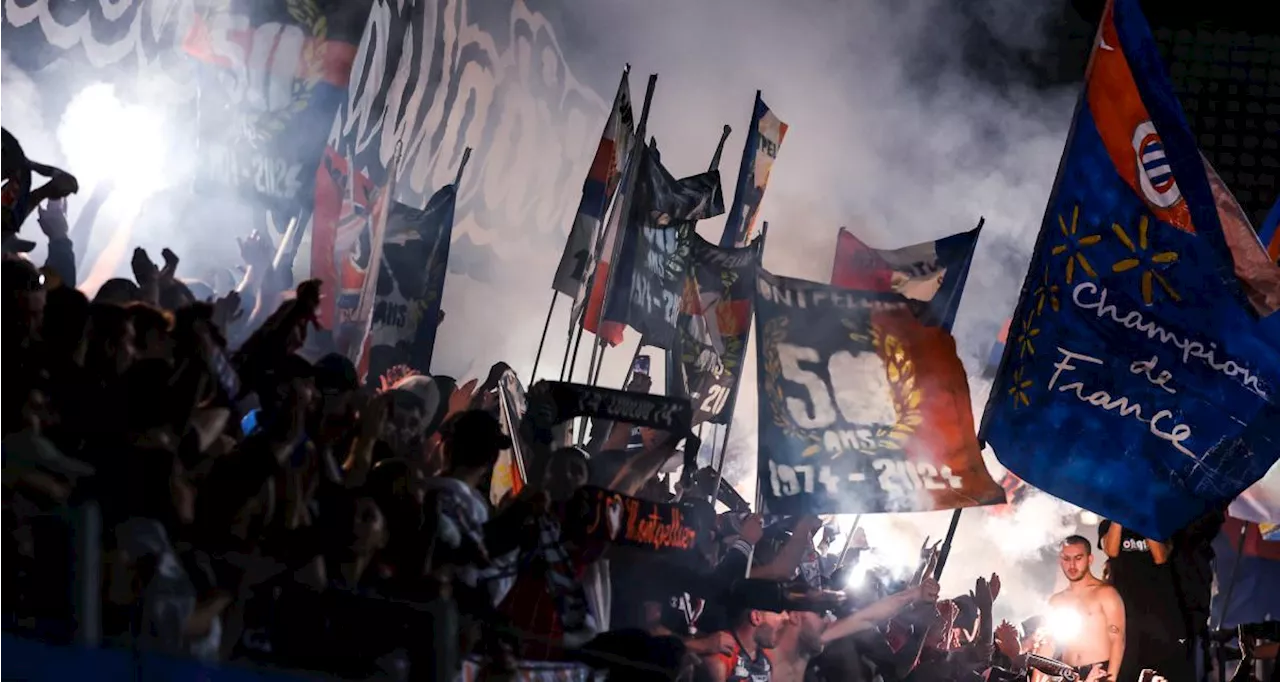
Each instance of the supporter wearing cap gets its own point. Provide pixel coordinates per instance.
(472, 442)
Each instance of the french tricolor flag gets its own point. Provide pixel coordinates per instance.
(597, 191)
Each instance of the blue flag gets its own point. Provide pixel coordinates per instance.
(764, 137)
(1138, 381)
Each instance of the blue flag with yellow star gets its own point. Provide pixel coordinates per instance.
(1138, 381)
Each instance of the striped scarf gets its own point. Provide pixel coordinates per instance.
(571, 601)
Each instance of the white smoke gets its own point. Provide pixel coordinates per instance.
(888, 135)
(900, 152)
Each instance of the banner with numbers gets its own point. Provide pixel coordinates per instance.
(863, 408)
(273, 74)
(715, 316)
(648, 279)
(1139, 381)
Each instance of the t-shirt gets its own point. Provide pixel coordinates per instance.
(739, 667)
(1151, 603)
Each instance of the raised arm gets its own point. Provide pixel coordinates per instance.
(1159, 551)
(880, 611)
(1111, 540)
(1113, 611)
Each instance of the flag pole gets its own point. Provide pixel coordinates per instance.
(546, 325)
(624, 205)
(733, 400)
(569, 362)
(946, 544)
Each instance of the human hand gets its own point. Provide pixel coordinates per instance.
(720, 643)
(1006, 636)
(227, 310)
(982, 595)
(256, 249)
(145, 272)
(1097, 672)
(460, 399)
(926, 591)
(374, 416)
(170, 265)
(995, 586)
(807, 526)
(53, 219)
(639, 383)
(61, 184)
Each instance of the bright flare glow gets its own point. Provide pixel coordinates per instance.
(1064, 625)
(898, 559)
(104, 138)
(1089, 518)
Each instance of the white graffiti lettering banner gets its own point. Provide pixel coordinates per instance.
(487, 75)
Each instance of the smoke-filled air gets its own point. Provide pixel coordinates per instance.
(889, 135)
(421, 166)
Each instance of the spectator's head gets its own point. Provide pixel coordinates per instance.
(111, 341)
(366, 530)
(1074, 557)
(473, 440)
(806, 627)
(153, 331)
(337, 386)
(567, 470)
(291, 379)
(66, 316)
(761, 626)
(24, 296)
(405, 431)
(119, 291)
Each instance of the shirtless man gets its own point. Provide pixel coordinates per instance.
(1098, 646)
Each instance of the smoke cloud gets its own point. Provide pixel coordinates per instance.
(891, 134)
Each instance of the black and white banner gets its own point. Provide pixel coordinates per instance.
(272, 74)
(648, 280)
(715, 323)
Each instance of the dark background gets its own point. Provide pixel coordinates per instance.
(1223, 58)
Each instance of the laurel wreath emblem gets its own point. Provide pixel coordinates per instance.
(907, 397)
(259, 126)
(901, 374)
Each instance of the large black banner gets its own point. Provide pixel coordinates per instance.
(411, 278)
(715, 319)
(648, 280)
(863, 408)
(273, 75)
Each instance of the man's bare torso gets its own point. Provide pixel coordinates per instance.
(1091, 644)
